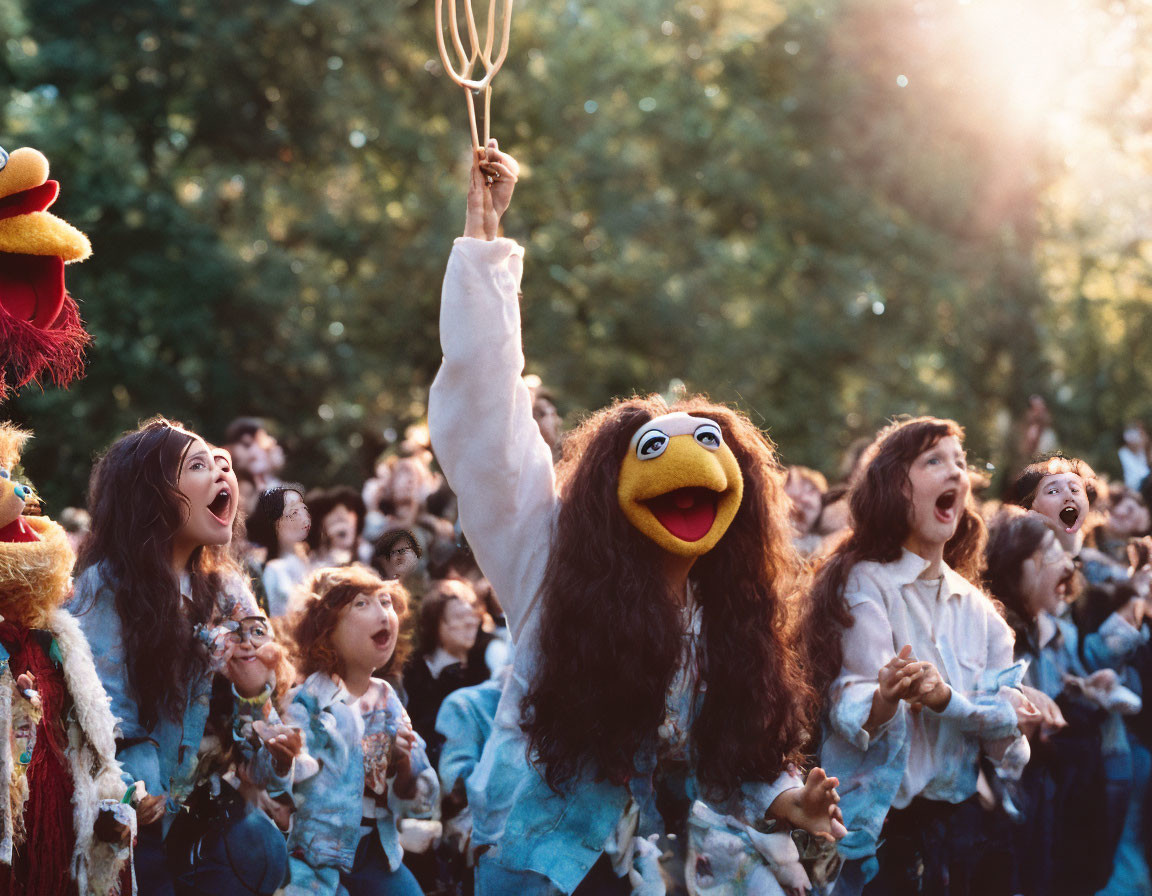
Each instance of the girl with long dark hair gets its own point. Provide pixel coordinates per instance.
(280, 524)
(645, 582)
(155, 586)
(915, 669)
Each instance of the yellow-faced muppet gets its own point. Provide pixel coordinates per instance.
(644, 581)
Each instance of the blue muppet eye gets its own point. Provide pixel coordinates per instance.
(4, 474)
(3, 158)
(708, 435)
(652, 444)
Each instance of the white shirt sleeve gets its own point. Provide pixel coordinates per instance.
(483, 433)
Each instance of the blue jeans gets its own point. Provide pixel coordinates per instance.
(248, 857)
(369, 875)
(493, 879)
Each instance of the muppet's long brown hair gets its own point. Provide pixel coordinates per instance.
(881, 506)
(611, 630)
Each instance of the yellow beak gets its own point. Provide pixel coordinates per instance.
(685, 499)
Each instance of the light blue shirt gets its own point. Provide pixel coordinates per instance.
(164, 756)
(329, 783)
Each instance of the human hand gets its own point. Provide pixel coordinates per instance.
(1135, 610)
(490, 185)
(812, 807)
(926, 687)
(1051, 718)
(283, 744)
(150, 809)
(892, 680)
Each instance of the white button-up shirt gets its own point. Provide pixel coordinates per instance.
(953, 625)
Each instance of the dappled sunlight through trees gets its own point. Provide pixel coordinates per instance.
(826, 213)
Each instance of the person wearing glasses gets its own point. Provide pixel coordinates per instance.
(397, 554)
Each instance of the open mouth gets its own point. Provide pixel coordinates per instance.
(221, 506)
(382, 639)
(703, 870)
(688, 513)
(1069, 515)
(946, 506)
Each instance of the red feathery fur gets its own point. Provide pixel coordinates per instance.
(30, 353)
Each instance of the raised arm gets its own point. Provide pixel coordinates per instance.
(480, 411)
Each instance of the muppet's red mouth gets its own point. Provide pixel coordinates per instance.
(688, 513)
(17, 531)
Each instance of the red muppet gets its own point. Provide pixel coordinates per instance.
(40, 329)
(644, 581)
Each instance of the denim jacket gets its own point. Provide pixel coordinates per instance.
(329, 780)
(164, 756)
(931, 754)
(480, 417)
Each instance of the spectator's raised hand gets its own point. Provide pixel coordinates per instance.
(491, 182)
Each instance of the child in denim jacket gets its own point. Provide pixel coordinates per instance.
(362, 762)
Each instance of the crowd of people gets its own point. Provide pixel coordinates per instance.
(640, 657)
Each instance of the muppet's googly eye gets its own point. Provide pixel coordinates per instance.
(3, 158)
(4, 474)
(708, 435)
(651, 444)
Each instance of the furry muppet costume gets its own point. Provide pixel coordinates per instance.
(57, 752)
(633, 696)
(40, 328)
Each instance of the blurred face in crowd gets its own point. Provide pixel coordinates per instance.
(1062, 498)
(339, 528)
(806, 500)
(401, 560)
(295, 521)
(547, 419)
(1046, 576)
(1128, 517)
(406, 481)
(258, 453)
(458, 627)
(1135, 437)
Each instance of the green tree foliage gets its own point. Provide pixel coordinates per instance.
(807, 209)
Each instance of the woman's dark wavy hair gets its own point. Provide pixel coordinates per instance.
(136, 510)
(611, 630)
(1014, 535)
(269, 508)
(880, 503)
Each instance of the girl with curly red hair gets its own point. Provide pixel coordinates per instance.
(644, 581)
(362, 762)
